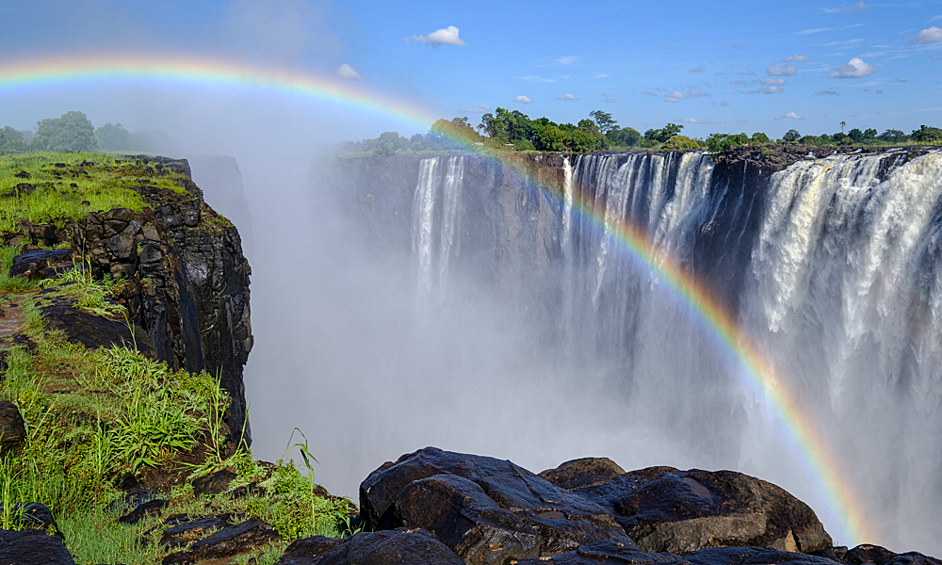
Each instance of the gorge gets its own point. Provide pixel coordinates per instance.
(496, 307)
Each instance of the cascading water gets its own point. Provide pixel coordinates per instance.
(839, 288)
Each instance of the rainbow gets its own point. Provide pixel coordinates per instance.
(98, 70)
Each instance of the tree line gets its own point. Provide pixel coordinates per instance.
(512, 130)
(73, 131)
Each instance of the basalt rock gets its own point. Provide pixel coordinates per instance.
(581, 473)
(33, 516)
(563, 520)
(876, 555)
(92, 330)
(397, 547)
(611, 554)
(214, 483)
(12, 428)
(41, 263)
(665, 509)
(227, 542)
(32, 547)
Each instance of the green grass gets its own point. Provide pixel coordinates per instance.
(70, 192)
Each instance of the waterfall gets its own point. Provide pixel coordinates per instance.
(435, 222)
(837, 283)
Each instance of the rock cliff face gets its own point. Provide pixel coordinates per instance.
(185, 280)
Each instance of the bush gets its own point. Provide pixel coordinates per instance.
(681, 143)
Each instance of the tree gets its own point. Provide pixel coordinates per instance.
(791, 136)
(893, 136)
(681, 143)
(552, 138)
(604, 121)
(70, 132)
(624, 137)
(113, 137)
(759, 138)
(870, 134)
(843, 125)
(856, 135)
(583, 141)
(11, 141)
(723, 142)
(663, 134)
(927, 135)
(458, 129)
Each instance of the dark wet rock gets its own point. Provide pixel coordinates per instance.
(867, 553)
(32, 547)
(461, 515)
(307, 550)
(12, 428)
(563, 520)
(214, 483)
(92, 330)
(752, 556)
(665, 509)
(834, 553)
(913, 558)
(604, 552)
(581, 473)
(397, 547)
(189, 531)
(41, 264)
(33, 515)
(144, 508)
(227, 542)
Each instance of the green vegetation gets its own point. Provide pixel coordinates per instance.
(73, 131)
(98, 420)
(54, 188)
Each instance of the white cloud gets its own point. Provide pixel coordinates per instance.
(737, 45)
(724, 103)
(566, 97)
(789, 116)
(748, 73)
(611, 100)
(929, 35)
(797, 58)
(936, 18)
(827, 93)
(536, 78)
(675, 96)
(768, 90)
(696, 121)
(479, 110)
(567, 60)
(444, 36)
(698, 69)
(855, 68)
(935, 56)
(523, 99)
(773, 81)
(740, 82)
(813, 30)
(783, 71)
(601, 75)
(347, 72)
(279, 31)
(858, 6)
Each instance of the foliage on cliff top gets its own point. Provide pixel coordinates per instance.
(100, 419)
(54, 188)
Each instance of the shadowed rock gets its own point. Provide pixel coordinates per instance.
(32, 547)
(12, 428)
(42, 264)
(610, 554)
(581, 473)
(214, 483)
(664, 509)
(461, 515)
(563, 520)
(227, 542)
(396, 547)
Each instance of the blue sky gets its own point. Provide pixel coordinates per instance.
(729, 67)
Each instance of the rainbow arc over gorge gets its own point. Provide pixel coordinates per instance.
(56, 72)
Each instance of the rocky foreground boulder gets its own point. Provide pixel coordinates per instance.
(666, 509)
(32, 547)
(486, 510)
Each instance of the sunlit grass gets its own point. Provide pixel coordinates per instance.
(67, 186)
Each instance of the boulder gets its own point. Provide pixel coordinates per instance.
(306, 550)
(603, 553)
(227, 542)
(12, 428)
(42, 264)
(665, 509)
(876, 555)
(146, 507)
(92, 330)
(213, 483)
(396, 547)
(461, 515)
(609, 554)
(32, 547)
(563, 520)
(33, 515)
(581, 473)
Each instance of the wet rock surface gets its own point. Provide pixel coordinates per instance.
(582, 473)
(396, 547)
(227, 542)
(665, 509)
(32, 515)
(32, 547)
(12, 428)
(42, 263)
(562, 520)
